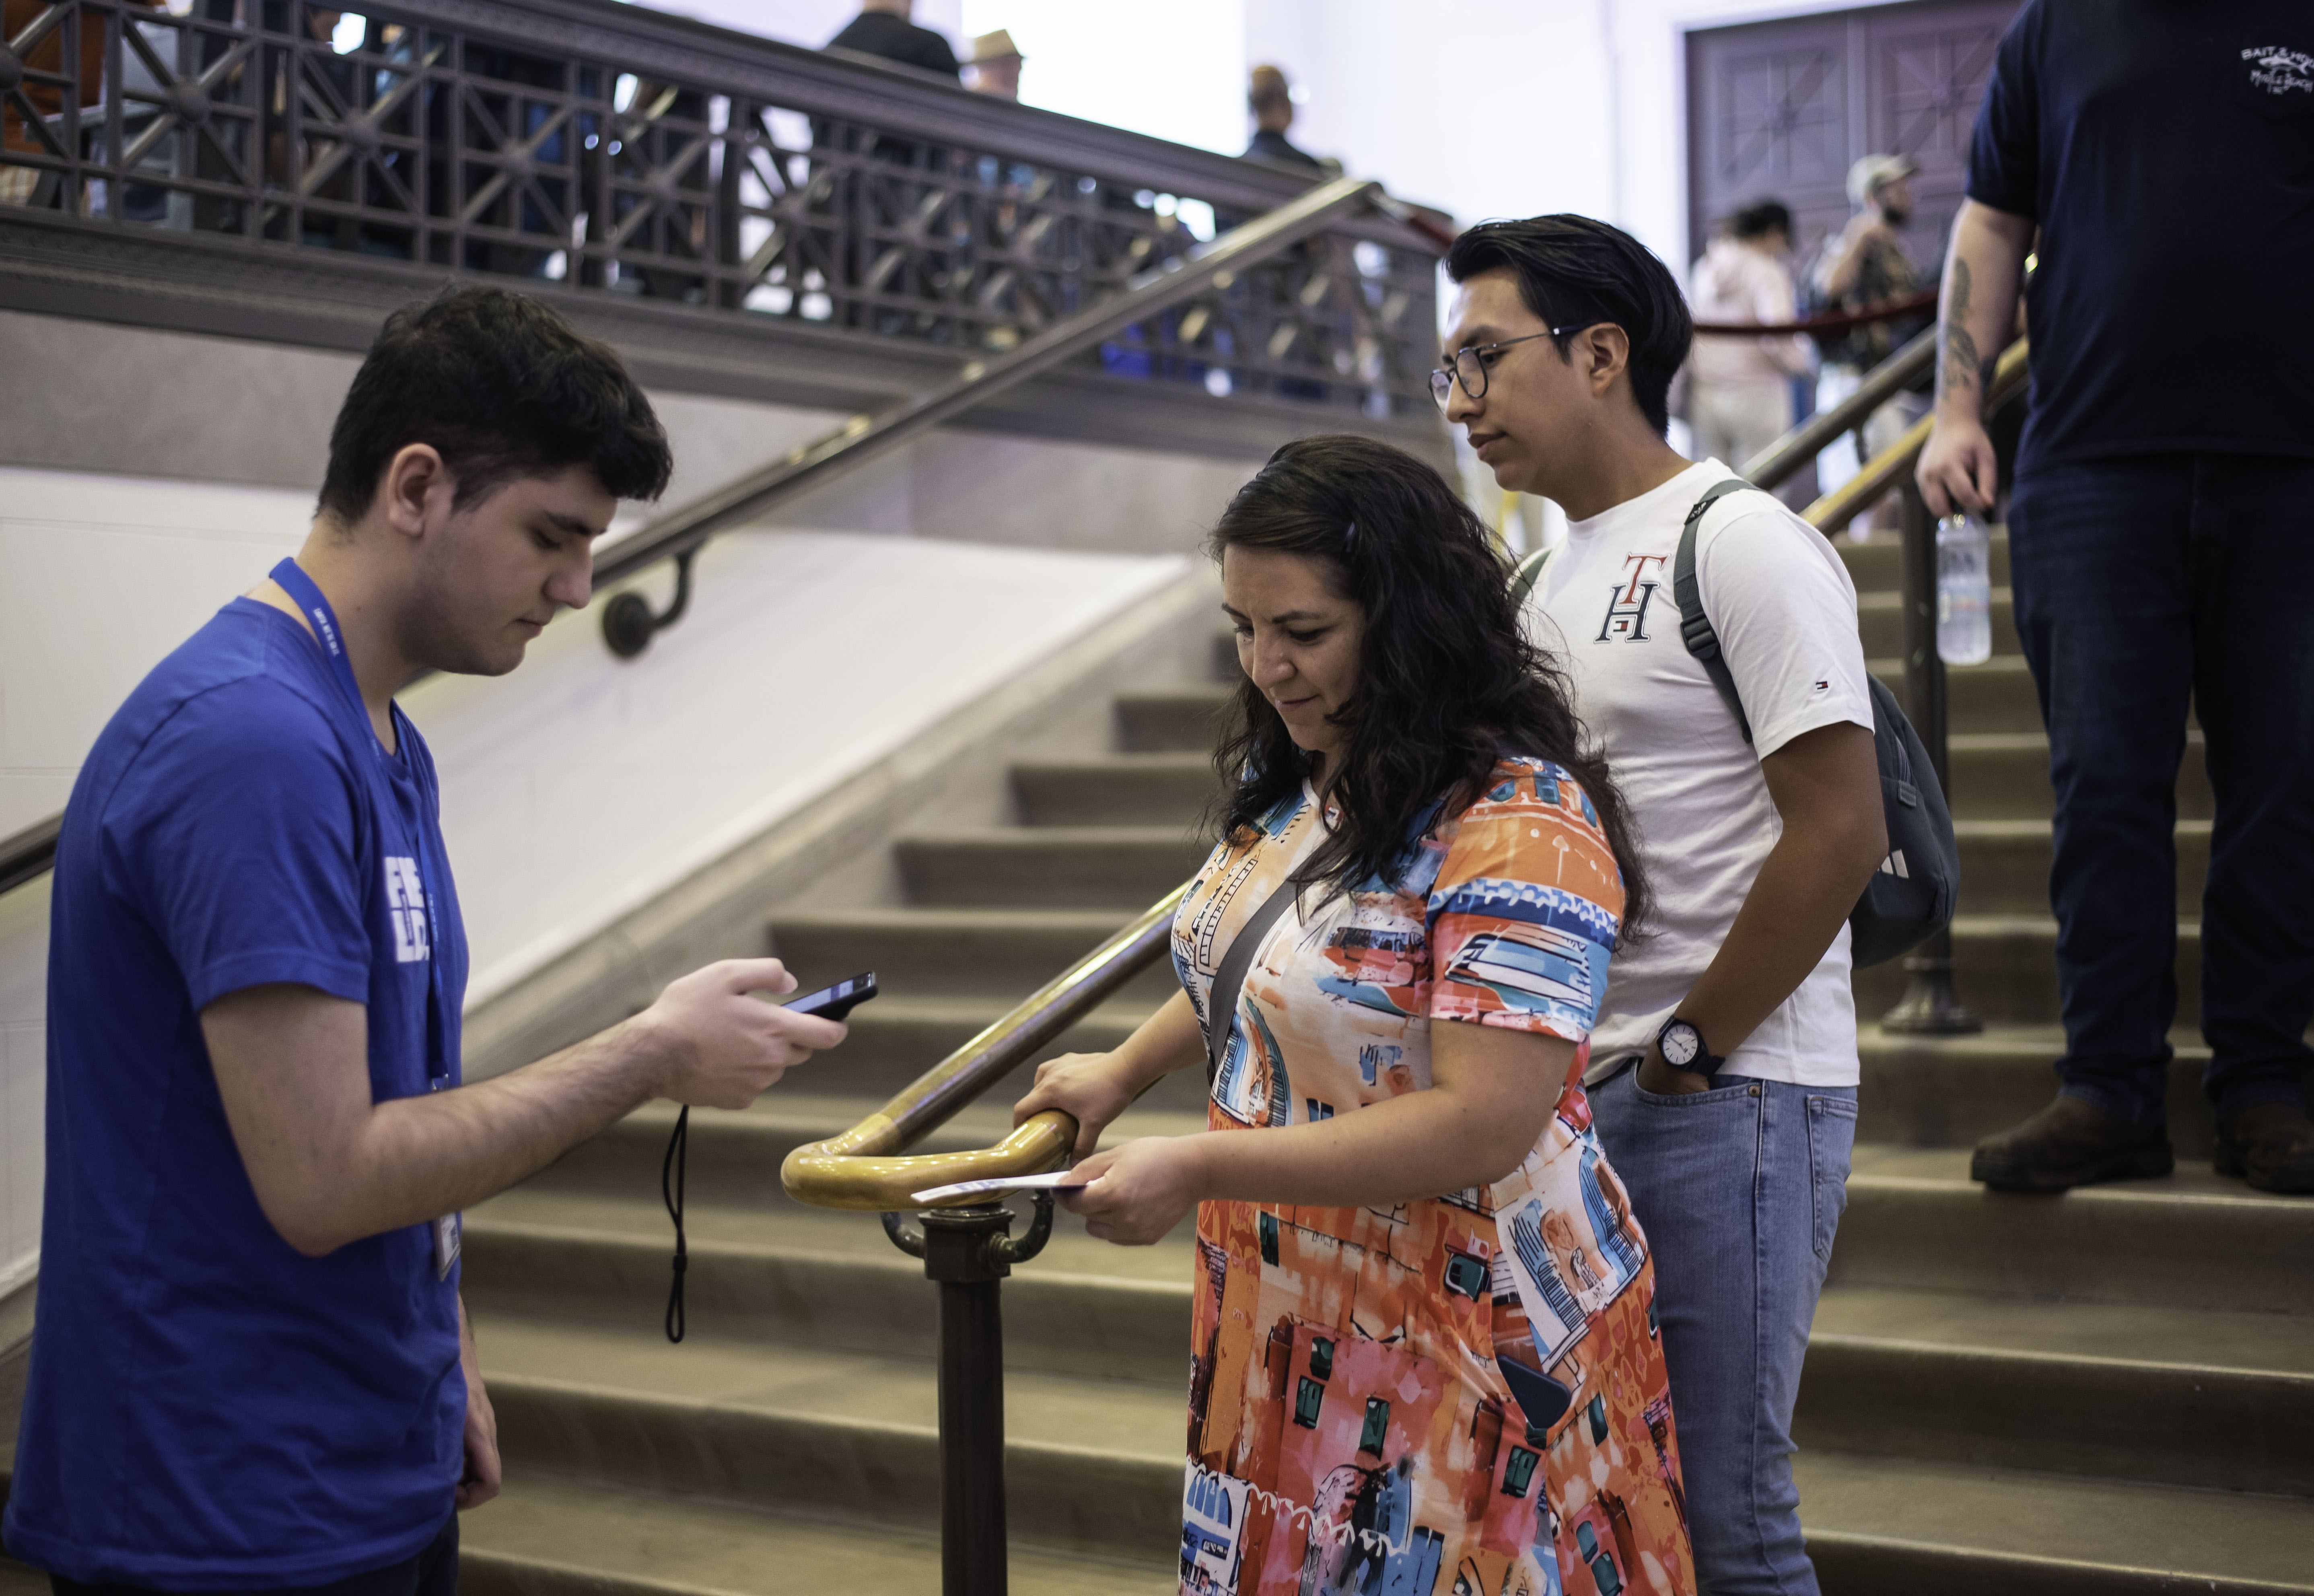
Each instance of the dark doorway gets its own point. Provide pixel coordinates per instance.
(1779, 110)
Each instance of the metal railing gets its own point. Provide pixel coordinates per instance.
(631, 159)
(618, 157)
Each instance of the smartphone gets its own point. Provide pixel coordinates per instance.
(833, 1003)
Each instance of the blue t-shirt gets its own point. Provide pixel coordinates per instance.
(2167, 150)
(208, 1408)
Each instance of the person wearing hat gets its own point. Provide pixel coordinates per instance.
(1271, 100)
(883, 29)
(996, 63)
(1865, 264)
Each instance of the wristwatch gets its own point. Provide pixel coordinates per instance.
(1683, 1048)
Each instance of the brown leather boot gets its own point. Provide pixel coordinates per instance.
(2272, 1146)
(2067, 1144)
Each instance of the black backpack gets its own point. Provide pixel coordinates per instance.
(1911, 897)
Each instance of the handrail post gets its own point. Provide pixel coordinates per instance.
(1929, 1007)
(964, 1256)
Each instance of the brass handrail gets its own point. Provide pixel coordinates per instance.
(1780, 460)
(1888, 468)
(863, 1169)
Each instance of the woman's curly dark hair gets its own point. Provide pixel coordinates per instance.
(1447, 683)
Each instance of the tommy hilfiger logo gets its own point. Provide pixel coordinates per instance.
(1627, 608)
(405, 905)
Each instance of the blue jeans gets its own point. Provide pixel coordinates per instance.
(2143, 584)
(1739, 1190)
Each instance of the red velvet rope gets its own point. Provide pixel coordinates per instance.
(1830, 321)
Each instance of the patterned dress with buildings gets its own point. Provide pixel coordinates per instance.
(1460, 1395)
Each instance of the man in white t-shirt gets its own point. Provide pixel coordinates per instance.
(1723, 1068)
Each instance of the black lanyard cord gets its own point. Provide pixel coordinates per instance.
(670, 1190)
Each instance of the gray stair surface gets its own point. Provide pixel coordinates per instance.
(2108, 1393)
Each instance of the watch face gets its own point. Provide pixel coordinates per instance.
(1681, 1044)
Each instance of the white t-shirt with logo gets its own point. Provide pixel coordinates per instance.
(1785, 611)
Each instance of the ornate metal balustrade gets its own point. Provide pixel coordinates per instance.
(614, 152)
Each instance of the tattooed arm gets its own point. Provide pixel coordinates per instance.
(1983, 271)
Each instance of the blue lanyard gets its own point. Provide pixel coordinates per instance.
(291, 577)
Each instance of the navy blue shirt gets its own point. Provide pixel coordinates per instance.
(2166, 149)
(209, 1408)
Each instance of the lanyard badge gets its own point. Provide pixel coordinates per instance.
(412, 902)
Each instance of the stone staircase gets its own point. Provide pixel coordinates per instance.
(2104, 1394)
(2107, 1393)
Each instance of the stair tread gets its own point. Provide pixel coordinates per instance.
(2043, 828)
(2064, 1519)
(1160, 759)
(807, 1232)
(2190, 1181)
(815, 1384)
(2277, 1344)
(1042, 836)
(811, 1116)
(2047, 1042)
(910, 917)
(597, 1536)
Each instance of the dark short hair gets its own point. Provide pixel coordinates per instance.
(1757, 221)
(502, 386)
(1576, 272)
(1448, 683)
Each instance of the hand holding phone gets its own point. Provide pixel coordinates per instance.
(833, 1003)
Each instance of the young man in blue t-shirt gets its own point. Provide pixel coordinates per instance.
(250, 1369)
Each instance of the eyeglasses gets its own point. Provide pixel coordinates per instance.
(1470, 370)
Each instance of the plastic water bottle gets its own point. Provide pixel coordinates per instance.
(1964, 591)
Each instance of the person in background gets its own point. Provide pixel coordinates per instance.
(883, 29)
(251, 1365)
(996, 65)
(1740, 389)
(2161, 544)
(1271, 100)
(1863, 266)
(1723, 1066)
(1414, 1262)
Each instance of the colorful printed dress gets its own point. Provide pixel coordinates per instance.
(1465, 1394)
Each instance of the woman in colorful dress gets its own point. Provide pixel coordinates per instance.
(1423, 1352)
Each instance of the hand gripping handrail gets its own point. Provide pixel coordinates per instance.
(862, 1168)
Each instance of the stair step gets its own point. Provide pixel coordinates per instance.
(2005, 970)
(1166, 789)
(548, 1536)
(1878, 564)
(1880, 622)
(2162, 1393)
(2004, 865)
(1915, 1220)
(1954, 1091)
(1123, 867)
(975, 954)
(2005, 776)
(1884, 1526)
(1996, 696)
(821, 1279)
(1094, 1465)
(895, 1040)
(1183, 719)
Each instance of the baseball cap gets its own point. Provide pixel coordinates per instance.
(1872, 171)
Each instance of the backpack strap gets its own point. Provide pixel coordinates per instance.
(1530, 572)
(1694, 625)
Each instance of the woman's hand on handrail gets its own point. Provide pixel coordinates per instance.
(1094, 1088)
